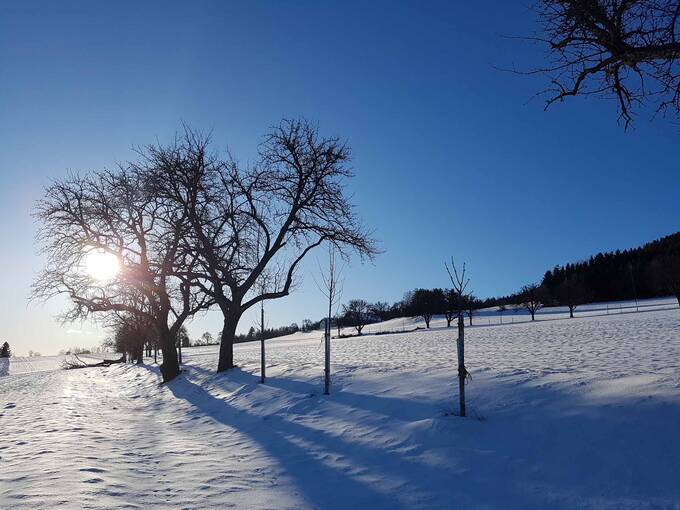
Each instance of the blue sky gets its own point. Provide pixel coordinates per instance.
(451, 156)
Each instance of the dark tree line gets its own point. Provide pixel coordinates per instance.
(649, 271)
(652, 270)
(256, 334)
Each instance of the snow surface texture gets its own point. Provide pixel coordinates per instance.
(581, 413)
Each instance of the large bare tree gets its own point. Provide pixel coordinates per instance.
(627, 50)
(120, 214)
(263, 219)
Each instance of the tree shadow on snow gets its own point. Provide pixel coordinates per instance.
(548, 447)
(333, 472)
(321, 485)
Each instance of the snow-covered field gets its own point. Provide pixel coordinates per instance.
(581, 413)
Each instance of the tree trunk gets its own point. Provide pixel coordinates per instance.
(226, 359)
(427, 323)
(532, 315)
(571, 312)
(470, 317)
(170, 365)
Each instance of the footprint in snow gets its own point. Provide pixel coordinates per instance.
(11, 405)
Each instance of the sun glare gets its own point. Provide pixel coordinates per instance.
(101, 265)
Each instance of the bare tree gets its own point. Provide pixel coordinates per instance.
(502, 308)
(356, 313)
(338, 323)
(130, 333)
(452, 306)
(331, 287)
(621, 49)
(425, 303)
(571, 293)
(381, 310)
(471, 304)
(532, 297)
(459, 283)
(118, 213)
(182, 340)
(290, 202)
(263, 286)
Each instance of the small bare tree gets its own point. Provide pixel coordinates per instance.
(502, 308)
(331, 287)
(621, 49)
(338, 323)
(532, 296)
(265, 280)
(571, 293)
(356, 313)
(471, 304)
(452, 305)
(459, 283)
(381, 310)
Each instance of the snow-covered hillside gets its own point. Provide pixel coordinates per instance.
(580, 413)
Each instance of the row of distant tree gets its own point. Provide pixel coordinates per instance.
(649, 271)
(6, 351)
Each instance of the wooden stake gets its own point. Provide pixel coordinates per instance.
(461, 364)
(327, 358)
(262, 358)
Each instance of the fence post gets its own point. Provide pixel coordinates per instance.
(262, 355)
(327, 359)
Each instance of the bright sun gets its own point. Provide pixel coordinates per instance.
(101, 265)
